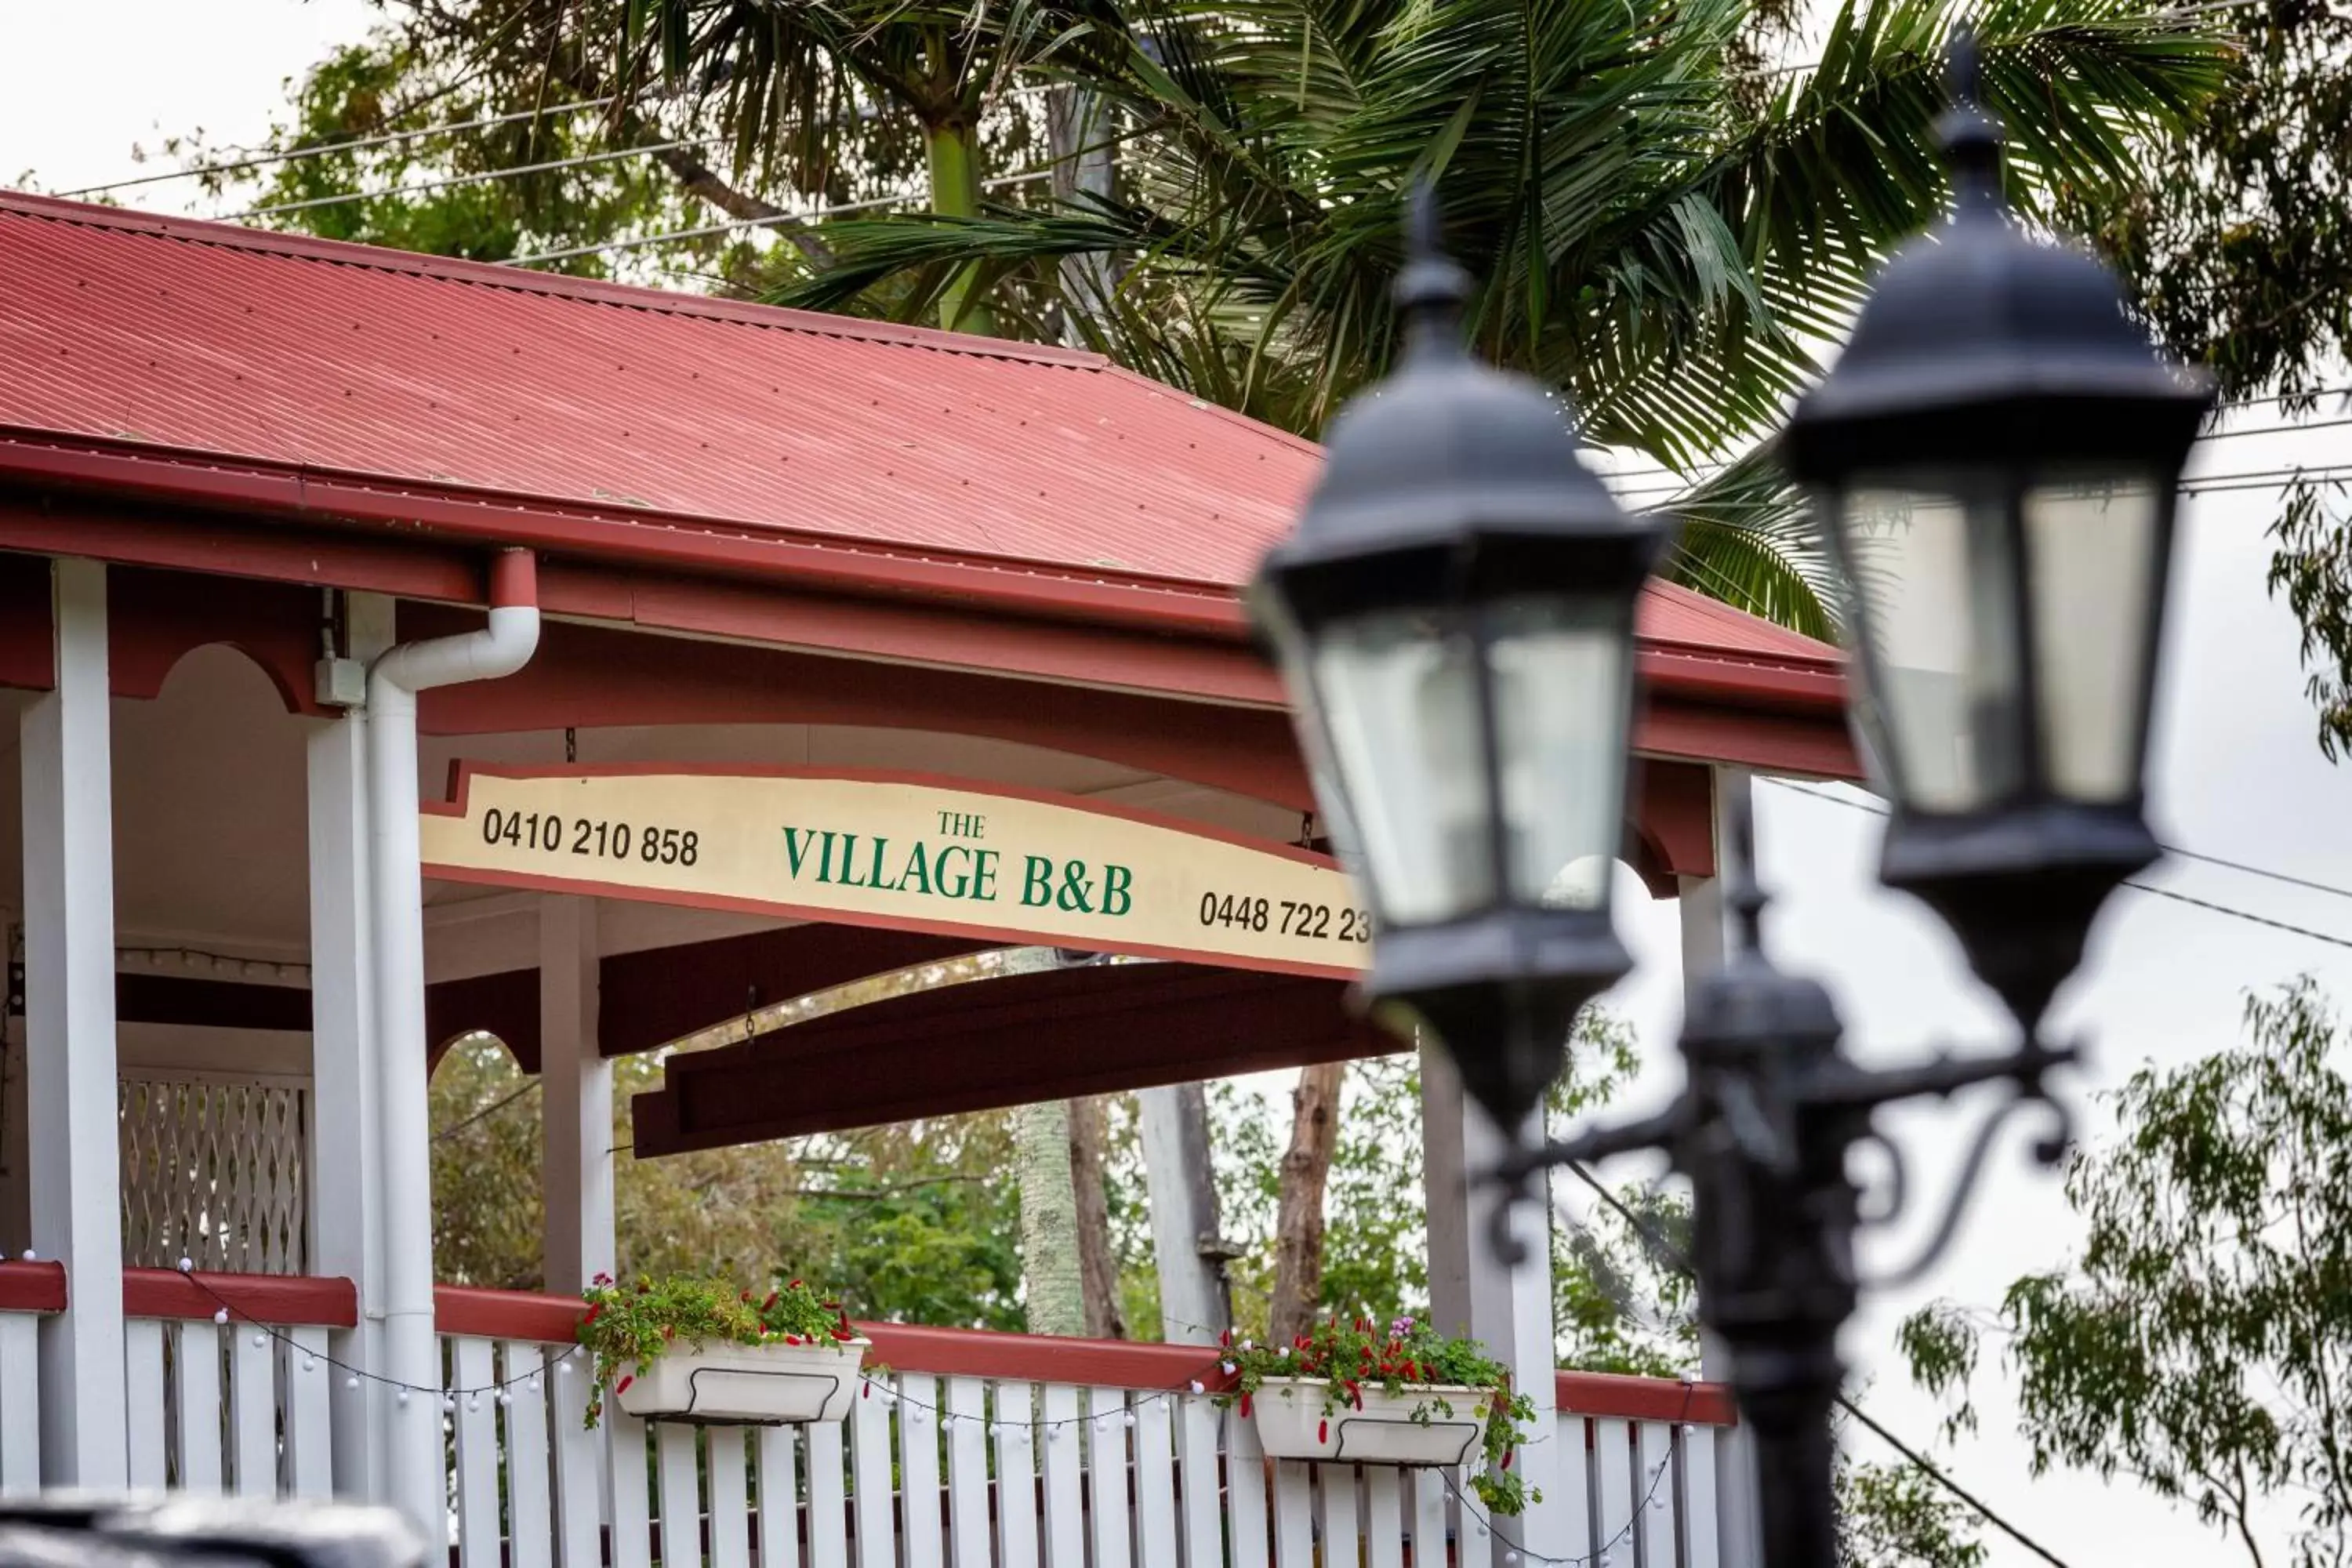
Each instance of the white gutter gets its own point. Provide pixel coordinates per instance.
(414, 1473)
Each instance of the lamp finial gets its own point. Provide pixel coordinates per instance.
(1970, 136)
(1432, 289)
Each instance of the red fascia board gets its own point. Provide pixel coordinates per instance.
(507, 1314)
(673, 540)
(1814, 747)
(701, 545)
(34, 1287)
(106, 530)
(286, 1300)
(1711, 675)
(1619, 1397)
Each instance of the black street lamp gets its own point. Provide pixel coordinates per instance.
(1454, 617)
(1996, 454)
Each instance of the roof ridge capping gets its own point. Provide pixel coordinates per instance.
(485, 274)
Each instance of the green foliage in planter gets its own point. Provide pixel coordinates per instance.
(1350, 1354)
(627, 1328)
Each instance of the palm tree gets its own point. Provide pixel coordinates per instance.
(790, 80)
(1668, 227)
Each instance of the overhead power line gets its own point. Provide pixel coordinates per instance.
(360, 144)
(321, 150)
(2229, 910)
(1646, 480)
(2206, 484)
(485, 177)
(732, 224)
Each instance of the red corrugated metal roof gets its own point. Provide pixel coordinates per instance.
(206, 341)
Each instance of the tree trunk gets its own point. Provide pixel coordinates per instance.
(1098, 1269)
(1298, 1210)
(1078, 137)
(1181, 1191)
(952, 152)
(1052, 1284)
(697, 178)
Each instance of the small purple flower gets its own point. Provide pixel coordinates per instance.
(1401, 1327)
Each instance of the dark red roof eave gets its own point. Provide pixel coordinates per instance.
(164, 477)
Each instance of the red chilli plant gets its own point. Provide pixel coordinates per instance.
(1348, 1355)
(627, 1329)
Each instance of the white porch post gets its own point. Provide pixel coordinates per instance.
(1472, 1292)
(1737, 1525)
(74, 1142)
(576, 1110)
(346, 1208)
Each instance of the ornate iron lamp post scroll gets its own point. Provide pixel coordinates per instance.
(1996, 455)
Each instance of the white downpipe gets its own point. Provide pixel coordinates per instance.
(414, 1473)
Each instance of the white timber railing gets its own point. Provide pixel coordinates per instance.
(238, 1406)
(980, 1450)
(28, 1292)
(963, 1450)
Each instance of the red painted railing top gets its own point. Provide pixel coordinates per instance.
(1609, 1394)
(1035, 1358)
(286, 1300)
(32, 1287)
(506, 1314)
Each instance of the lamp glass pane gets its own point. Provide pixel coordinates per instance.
(1398, 697)
(1932, 569)
(1560, 694)
(2092, 544)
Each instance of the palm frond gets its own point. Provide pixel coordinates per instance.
(1749, 539)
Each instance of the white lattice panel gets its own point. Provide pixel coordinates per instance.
(214, 1170)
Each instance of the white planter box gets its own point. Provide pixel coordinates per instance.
(1438, 1426)
(764, 1386)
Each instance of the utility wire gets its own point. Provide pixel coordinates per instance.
(1648, 472)
(2246, 478)
(1664, 1247)
(732, 224)
(2231, 910)
(447, 128)
(294, 154)
(485, 177)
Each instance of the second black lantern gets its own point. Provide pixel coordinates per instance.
(1455, 616)
(1996, 454)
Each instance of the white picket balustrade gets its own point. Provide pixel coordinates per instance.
(944, 1469)
(238, 1407)
(20, 1378)
(939, 1465)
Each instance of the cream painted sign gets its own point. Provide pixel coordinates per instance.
(909, 851)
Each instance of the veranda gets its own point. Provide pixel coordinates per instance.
(734, 557)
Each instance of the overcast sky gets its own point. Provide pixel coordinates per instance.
(2237, 775)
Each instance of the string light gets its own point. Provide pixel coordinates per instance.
(264, 1333)
(219, 963)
